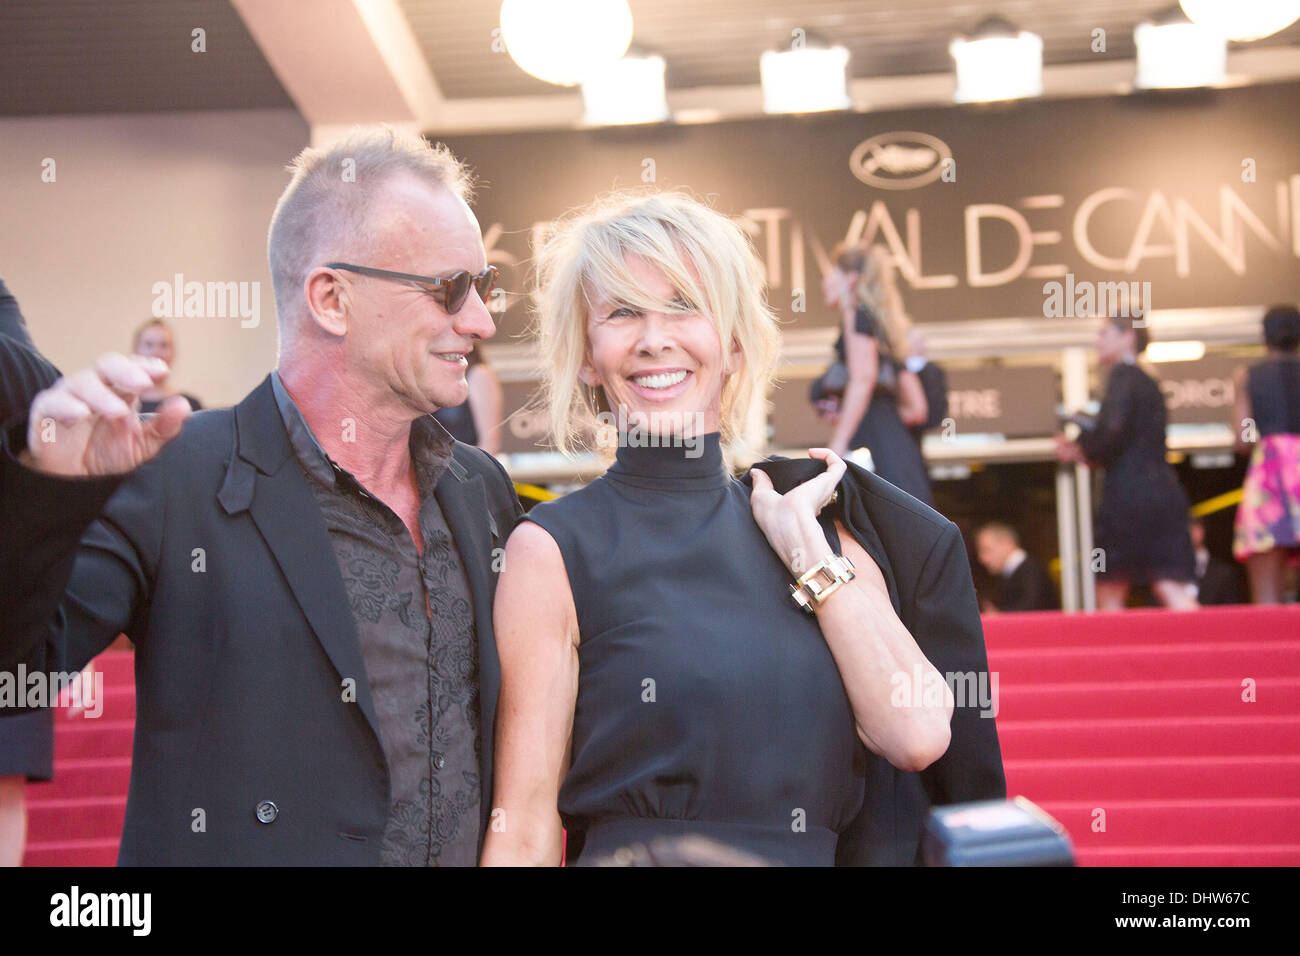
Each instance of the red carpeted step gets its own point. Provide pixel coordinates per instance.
(72, 853)
(118, 703)
(1131, 823)
(1047, 629)
(80, 738)
(1279, 855)
(1217, 697)
(1138, 778)
(86, 777)
(1191, 660)
(1134, 737)
(118, 667)
(78, 818)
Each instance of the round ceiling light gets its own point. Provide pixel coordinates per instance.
(1243, 20)
(563, 41)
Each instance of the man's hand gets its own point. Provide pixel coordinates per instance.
(88, 423)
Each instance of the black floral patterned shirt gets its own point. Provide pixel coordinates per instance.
(414, 620)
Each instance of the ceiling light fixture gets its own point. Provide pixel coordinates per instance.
(811, 77)
(997, 62)
(1243, 20)
(563, 41)
(1173, 52)
(628, 91)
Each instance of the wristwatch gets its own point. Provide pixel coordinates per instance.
(821, 581)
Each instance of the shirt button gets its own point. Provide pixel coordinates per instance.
(439, 762)
(267, 812)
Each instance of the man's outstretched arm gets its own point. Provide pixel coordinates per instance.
(73, 582)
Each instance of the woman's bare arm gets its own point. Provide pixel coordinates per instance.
(913, 408)
(862, 359)
(537, 642)
(877, 658)
(874, 652)
(485, 406)
(1242, 411)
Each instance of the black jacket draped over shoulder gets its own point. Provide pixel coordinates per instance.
(924, 563)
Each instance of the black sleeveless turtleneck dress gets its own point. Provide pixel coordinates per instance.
(708, 703)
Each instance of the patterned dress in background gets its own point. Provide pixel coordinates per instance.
(1269, 514)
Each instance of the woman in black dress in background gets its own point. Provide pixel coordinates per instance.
(882, 399)
(658, 681)
(1141, 525)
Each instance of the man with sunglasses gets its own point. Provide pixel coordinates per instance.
(307, 577)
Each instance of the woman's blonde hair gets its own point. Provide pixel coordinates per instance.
(877, 289)
(584, 260)
(148, 324)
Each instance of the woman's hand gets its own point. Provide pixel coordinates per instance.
(1068, 452)
(789, 521)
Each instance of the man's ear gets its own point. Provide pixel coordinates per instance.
(327, 301)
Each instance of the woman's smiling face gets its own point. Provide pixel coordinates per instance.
(661, 370)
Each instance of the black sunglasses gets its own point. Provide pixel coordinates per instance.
(450, 292)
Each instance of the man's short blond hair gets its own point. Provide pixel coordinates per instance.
(585, 260)
(323, 214)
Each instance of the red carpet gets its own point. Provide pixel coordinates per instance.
(76, 819)
(1139, 715)
(1131, 730)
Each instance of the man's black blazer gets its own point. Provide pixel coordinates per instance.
(250, 686)
(934, 382)
(924, 563)
(1028, 588)
(1221, 583)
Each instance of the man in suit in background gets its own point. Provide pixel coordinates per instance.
(1023, 581)
(1217, 581)
(933, 382)
(307, 577)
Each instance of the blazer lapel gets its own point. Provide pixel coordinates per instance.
(464, 506)
(263, 480)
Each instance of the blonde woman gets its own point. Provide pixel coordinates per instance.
(882, 399)
(658, 679)
(155, 339)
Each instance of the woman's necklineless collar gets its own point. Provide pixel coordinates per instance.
(670, 462)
